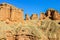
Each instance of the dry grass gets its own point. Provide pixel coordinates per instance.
(49, 30)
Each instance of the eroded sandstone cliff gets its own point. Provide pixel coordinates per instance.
(14, 27)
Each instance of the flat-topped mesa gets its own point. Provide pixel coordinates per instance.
(27, 17)
(10, 12)
(42, 16)
(34, 17)
(52, 14)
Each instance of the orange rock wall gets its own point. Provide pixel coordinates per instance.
(34, 17)
(9, 12)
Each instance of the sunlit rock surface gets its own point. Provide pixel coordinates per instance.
(14, 27)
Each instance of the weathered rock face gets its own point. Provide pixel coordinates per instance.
(34, 17)
(10, 12)
(42, 16)
(52, 14)
(56, 16)
(27, 17)
(9, 36)
(4, 11)
(48, 13)
(16, 15)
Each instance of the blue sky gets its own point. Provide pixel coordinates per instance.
(34, 6)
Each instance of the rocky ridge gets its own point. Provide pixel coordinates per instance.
(14, 27)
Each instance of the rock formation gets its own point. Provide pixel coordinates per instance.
(56, 16)
(14, 27)
(14, 14)
(42, 16)
(4, 12)
(52, 14)
(8, 11)
(34, 17)
(9, 36)
(27, 17)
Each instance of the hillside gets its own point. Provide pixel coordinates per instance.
(14, 27)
